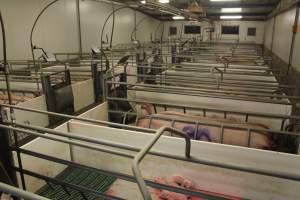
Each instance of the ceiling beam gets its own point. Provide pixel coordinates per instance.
(243, 5)
(230, 5)
(243, 14)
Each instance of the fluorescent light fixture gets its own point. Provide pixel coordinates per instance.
(178, 17)
(143, 2)
(224, 0)
(231, 17)
(231, 10)
(164, 1)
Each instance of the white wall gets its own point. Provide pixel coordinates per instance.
(268, 33)
(283, 34)
(244, 25)
(57, 30)
(283, 37)
(93, 15)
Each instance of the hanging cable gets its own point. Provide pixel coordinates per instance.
(106, 20)
(137, 25)
(112, 27)
(33, 27)
(6, 72)
(102, 32)
(5, 64)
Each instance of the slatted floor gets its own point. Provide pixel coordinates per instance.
(79, 177)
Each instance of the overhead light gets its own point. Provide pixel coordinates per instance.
(178, 17)
(231, 10)
(224, 0)
(164, 1)
(195, 8)
(143, 2)
(231, 17)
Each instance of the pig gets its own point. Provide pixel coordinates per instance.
(182, 182)
(208, 133)
(15, 98)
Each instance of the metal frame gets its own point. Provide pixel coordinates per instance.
(256, 93)
(141, 153)
(253, 97)
(83, 140)
(222, 126)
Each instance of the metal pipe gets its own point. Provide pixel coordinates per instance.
(79, 26)
(67, 141)
(118, 175)
(11, 110)
(293, 38)
(6, 70)
(33, 27)
(105, 123)
(105, 22)
(284, 175)
(139, 157)
(211, 93)
(134, 31)
(253, 114)
(20, 193)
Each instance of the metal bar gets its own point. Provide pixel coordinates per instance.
(75, 187)
(20, 193)
(125, 177)
(218, 96)
(15, 136)
(139, 157)
(235, 127)
(179, 77)
(79, 26)
(67, 141)
(155, 110)
(291, 56)
(115, 125)
(272, 41)
(249, 137)
(253, 114)
(222, 134)
(283, 175)
(206, 91)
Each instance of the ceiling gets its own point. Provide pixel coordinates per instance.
(251, 9)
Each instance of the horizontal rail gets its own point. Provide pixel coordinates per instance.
(16, 192)
(141, 155)
(187, 107)
(213, 94)
(119, 175)
(110, 124)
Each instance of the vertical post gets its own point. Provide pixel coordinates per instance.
(273, 36)
(295, 30)
(7, 175)
(79, 26)
(97, 80)
(70, 145)
(6, 145)
(135, 25)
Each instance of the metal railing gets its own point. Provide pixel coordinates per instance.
(101, 146)
(16, 192)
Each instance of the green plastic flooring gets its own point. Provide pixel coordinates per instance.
(79, 177)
